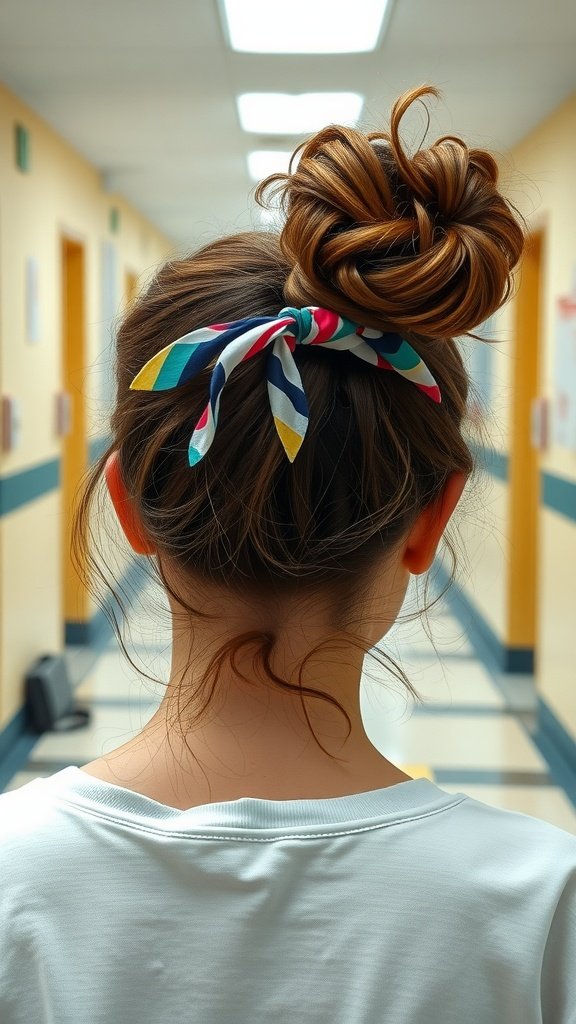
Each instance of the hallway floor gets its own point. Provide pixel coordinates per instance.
(473, 735)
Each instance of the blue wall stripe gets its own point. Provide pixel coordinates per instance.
(18, 489)
(559, 495)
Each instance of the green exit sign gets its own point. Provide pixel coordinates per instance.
(22, 139)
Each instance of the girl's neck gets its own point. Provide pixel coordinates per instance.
(256, 744)
(255, 738)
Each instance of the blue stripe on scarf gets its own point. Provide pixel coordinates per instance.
(276, 376)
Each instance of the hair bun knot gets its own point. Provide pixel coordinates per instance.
(423, 243)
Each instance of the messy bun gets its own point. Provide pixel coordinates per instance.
(422, 244)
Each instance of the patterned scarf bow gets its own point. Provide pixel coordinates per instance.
(235, 342)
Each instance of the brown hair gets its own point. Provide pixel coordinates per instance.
(423, 245)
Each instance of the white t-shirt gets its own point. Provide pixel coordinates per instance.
(404, 905)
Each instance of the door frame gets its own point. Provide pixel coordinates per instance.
(524, 458)
(74, 458)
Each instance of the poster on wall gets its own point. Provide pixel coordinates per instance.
(564, 408)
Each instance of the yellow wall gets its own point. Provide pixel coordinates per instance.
(60, 195)
(539, 175)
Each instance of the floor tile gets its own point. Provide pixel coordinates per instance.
(110, 728)
(113, 677)
(452, 741)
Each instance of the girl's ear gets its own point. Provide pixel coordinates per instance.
(124, 510)
(425, 535)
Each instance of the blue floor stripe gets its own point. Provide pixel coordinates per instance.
(428, 709)
(561, 770)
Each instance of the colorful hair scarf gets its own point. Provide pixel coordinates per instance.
(235, 342)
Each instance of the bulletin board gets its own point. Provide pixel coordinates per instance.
(564, 407)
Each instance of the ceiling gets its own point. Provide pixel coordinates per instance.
(146, 90)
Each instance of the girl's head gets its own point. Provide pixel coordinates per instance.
(421, 245)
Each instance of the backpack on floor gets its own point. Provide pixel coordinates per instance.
(50, 699)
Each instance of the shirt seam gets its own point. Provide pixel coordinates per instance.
(140, 827)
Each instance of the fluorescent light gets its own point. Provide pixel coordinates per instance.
(304, 26)
(280, 113)
(262, 162)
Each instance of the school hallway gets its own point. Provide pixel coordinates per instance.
(477, 732)
(424, 159)
(287, 321)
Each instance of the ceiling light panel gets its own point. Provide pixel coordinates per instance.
(304, 26)
(277, 113)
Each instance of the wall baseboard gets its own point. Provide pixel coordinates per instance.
(96, 632)
(93, 633)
